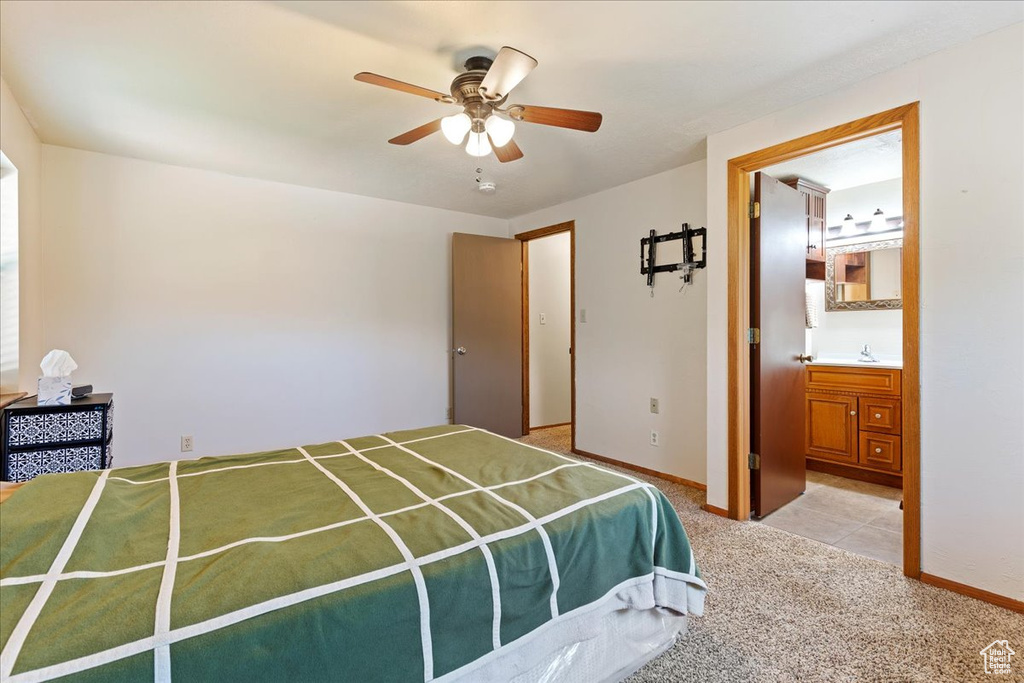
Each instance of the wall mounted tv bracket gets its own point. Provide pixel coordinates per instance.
(649, 251)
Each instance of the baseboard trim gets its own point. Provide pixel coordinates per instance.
(884, 478)
(557, 424)
(972, 592)
(715, 511)
(643, 470)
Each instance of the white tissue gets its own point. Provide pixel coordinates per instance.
(58, 363)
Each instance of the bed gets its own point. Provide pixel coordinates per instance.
(446, 553)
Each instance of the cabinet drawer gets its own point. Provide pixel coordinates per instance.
(880, 415)
(31, 429)
(25, 465)
(880, 452)
(880, 381)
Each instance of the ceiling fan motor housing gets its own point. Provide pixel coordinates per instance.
(465, 88)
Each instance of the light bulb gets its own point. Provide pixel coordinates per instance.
(500, 130)
(849, 226)
(455, 127)
(878, 221)
(478, 145)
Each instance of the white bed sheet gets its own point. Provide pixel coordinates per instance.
(603, 644)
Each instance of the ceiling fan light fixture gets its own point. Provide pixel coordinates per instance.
(455, 127)
(500, 130)
(478, 146)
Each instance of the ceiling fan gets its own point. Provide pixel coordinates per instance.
(481, 91)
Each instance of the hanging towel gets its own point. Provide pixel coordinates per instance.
(810, 312)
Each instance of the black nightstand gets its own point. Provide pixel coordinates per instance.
(49, 439)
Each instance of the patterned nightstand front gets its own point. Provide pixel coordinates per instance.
(53, 439)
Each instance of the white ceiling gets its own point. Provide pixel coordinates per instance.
(870, 160)
(265, 89)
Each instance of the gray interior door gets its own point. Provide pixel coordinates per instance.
(487, 333)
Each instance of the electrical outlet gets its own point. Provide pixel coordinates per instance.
(543, 319)
(186, 444)
(654, 438)
(654, 406)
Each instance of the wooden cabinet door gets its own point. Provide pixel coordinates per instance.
(832, 427)
(814, 208)
(880, 452)
(816, 226)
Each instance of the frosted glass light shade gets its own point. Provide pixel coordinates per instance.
(878, 221)
(849, 226)
(455, 127)
(500, 130)
(478, 145)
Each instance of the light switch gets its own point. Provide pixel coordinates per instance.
(583, 315)
(654, 406)
(543, 319)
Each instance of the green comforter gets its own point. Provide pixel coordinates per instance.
(402, 557)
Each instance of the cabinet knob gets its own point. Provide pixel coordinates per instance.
(853, 412)
(878, 450)
(878, 416)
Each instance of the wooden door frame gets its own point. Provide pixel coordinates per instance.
(906, 119)
(525, 237)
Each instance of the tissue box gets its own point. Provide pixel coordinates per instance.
(54, 391)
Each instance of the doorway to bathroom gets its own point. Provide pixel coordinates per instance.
(824, 439)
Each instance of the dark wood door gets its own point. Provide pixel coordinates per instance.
(777, 254)
(487, 333)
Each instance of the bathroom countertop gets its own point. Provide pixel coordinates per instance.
(890, 363)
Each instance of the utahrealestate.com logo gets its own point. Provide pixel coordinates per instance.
(997, 657)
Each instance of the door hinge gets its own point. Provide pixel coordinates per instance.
(755, 209)
(753, 335)
(753, 461)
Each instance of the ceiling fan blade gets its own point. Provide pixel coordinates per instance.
(416, 133)
(509, 68)
(385, 82)
(510, 152)
(588, 121)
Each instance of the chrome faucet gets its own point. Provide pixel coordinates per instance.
(866, 356)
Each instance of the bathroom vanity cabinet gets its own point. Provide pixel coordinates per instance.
(814, 197)
(854, 422)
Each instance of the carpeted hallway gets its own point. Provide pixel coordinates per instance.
(785, 608)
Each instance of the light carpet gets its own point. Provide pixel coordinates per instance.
(782, 607)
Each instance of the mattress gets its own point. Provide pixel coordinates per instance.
(446, 553)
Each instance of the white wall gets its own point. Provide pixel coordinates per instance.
(844, 333)
(861, 201)
(972, 311)
(550, 373)
(633, 347)
(21, 146)
(247, 313)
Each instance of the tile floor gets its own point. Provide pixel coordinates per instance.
(860, 517)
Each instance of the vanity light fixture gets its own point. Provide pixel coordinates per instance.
(849, 228)
(877, 222)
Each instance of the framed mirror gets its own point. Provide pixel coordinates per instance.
(864, 277)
